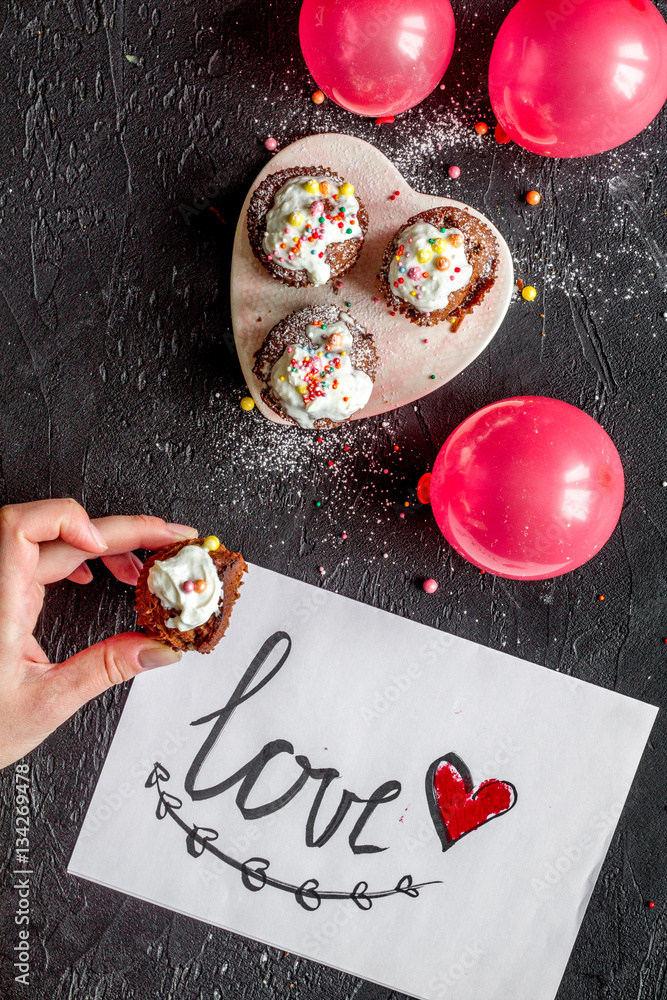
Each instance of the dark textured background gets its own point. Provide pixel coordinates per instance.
(120, 387)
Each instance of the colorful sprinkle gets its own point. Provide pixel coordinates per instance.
(270, 144)
(529, 293)
(443, 263)
(454, 172)
(481, 128)
(456, 239)
(200, 586)
(346, 188)
(187, 586)
(533, 197)
(318, 97)
(430, 586)
(247, 403)
(211, 542)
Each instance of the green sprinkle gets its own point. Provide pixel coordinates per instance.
(432, 376)
(348, 304)
(321, 218)
(433, 241)
(318, 503)
(348, 230)
(323, 327)
(443, 229)
(342, 208)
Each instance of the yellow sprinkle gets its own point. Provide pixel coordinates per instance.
(319, 354)
(302, 389)
(343, 353)
(311, 187)
(346, 188)
(295, 219)
(424, 255)
(211, 543)
(413, 293)
(282, 378)
(439, 246)
(247, 403)
(529, 293)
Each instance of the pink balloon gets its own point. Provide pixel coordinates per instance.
(575, 77)
(527, 488)
(377, 57)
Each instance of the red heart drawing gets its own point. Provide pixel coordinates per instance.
(457, 807)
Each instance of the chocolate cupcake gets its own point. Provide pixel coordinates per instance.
(439, 266)
(318, 367)
(306, 226)
(186, 591)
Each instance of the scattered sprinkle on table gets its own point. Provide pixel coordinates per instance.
(430, 586)
(318, 97)
(454, 172)
(481, 128)
(320, 569)
(529, 293)
(533, 197)
(431, 376)
(344, 535)
(600, 597)
(318, 503)
(247, 403)
(270, 144)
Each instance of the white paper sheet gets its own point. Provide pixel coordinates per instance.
(380, 700)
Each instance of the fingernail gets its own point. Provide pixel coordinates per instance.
(97, 536)
(158, 656)
(182, 530)
(85, 569)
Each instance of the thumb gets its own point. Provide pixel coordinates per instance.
(92, 671)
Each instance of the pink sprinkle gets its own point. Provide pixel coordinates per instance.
(376, 299)
(340, 284)
(289, 350)
(426, 340)
(344, 535)
(320, 569)
(270, 144)
(401, 515)
(287, 231)
(187, 586)
(269, 257)
(385, 471)
(419, 295)
(430, 586)
(454, 172)
(414, 274)
(410, 240)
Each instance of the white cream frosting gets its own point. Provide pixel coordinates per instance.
(421, 283)
(165, 579)
(320, 383)
(299, 229)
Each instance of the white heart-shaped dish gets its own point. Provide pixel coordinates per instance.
(406, 363)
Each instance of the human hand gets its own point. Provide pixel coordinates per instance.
(40, 543)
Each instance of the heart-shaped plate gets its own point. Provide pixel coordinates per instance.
(406, 363)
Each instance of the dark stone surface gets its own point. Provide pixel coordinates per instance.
(120, 387)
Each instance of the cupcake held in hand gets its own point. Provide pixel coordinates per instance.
(439, 266)
(186, 591)
(306, 225)
(317, 366)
